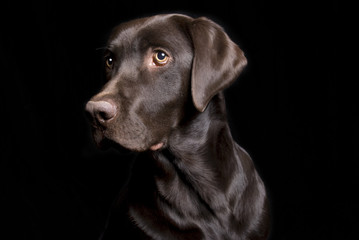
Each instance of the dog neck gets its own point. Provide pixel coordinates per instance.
(199, 168)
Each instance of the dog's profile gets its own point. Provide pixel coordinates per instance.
(164, 99)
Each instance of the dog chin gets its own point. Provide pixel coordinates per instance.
(103, 142)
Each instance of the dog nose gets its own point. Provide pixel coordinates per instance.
(101, 110)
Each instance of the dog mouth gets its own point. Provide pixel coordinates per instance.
(104, 143)
(106, 138)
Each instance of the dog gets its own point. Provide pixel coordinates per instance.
(164, 98)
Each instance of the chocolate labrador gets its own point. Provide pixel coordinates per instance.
(164, 99)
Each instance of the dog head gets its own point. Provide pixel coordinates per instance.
(153, 66)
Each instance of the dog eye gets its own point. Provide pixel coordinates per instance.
(109, 62)
(160, 58)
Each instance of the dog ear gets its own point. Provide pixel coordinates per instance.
(217, 61)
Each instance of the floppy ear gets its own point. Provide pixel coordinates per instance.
(217, 61)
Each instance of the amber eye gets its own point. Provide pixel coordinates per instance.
(160, 58)
(109, 61)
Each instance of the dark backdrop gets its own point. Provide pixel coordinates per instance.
(284, 110)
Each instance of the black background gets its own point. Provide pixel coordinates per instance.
(284, 110)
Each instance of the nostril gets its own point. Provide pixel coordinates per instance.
(101, 110)
(105, 115)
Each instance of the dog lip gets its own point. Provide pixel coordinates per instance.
(157, 146)
(98, 136)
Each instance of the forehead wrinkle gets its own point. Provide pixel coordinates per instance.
(155, 30)
(128, 31)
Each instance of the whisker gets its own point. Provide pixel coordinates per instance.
(102, 48)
